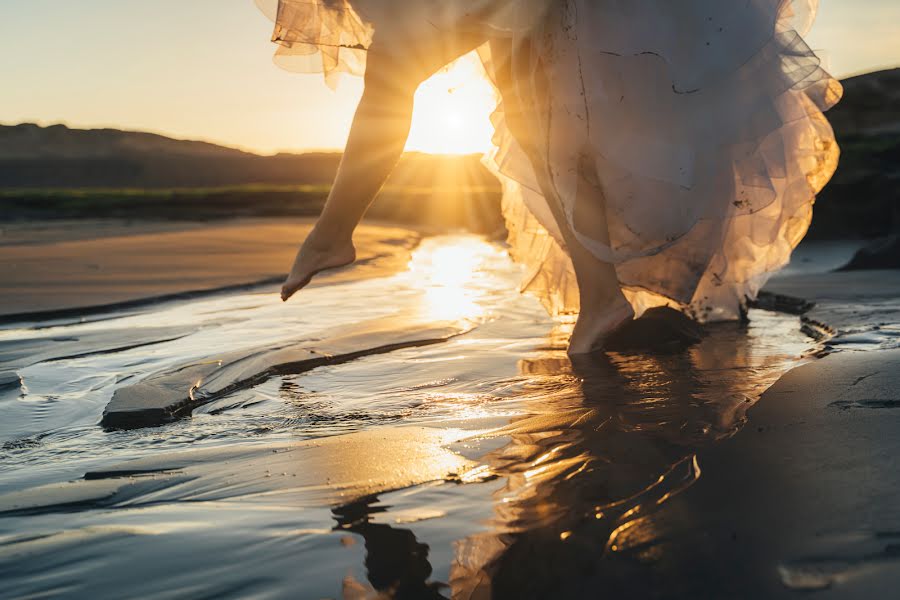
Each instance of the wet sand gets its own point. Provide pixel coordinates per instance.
(804, 498)
(485, 464)
(60, 268)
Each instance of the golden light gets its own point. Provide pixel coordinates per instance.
(452, 110)
(447, 274)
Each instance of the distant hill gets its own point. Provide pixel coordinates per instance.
(59, 172)
(61, 157)
(33, 142)
(57, 156)
(870, 106)
(863, 199)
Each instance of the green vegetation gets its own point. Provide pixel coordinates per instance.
(173, 203)
(474, 206)
(156, 193)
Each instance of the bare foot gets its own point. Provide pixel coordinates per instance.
(314, 256)
(595, 324)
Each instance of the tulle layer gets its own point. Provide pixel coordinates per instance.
(319, 36)
(331, 36)
(695, 128)
(684, 141)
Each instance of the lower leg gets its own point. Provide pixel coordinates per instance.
(377, 138)
(603, 306)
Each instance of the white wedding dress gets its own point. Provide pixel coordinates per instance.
(697, 123)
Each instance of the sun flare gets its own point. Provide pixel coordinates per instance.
(452, 110)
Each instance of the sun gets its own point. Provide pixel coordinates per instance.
(452, 110)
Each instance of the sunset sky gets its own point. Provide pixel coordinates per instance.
(202, 69)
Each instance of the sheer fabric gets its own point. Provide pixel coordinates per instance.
(694, 129)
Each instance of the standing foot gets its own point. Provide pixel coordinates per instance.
(314, 256)
(595, 323)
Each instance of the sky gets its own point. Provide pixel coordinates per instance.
(202, 69)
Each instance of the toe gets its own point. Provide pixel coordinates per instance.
(292, 286)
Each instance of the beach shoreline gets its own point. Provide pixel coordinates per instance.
(62, 270)
(794, 496)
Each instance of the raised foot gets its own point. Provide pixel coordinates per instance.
(596, 324)
(314, 257)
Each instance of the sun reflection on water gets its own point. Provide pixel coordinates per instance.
(449, 276)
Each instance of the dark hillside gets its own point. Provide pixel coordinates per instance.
(863, 199)
(56, 171)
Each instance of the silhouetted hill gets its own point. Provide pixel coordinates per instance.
(61, 157)
(864, 197)
(33, 142)
(870, 106)
(41, 166)
(58, 172)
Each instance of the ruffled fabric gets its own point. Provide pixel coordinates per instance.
(324, 36)
(697, 128)
(331, 36)
(693, 129)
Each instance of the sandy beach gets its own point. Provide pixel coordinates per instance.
(413, 426)
(63, 268)
(467, 411)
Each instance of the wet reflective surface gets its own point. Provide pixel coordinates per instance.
(489, 465)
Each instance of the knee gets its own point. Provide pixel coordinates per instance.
(397, 67)
(390, 77)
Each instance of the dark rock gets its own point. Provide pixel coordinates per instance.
(9, 380)
(173, 394)
(661, 329)
(883, 253)
(122, 473)
(781, 303)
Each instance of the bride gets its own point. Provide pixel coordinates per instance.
(651, 152)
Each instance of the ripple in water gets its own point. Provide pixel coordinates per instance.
(489, 463)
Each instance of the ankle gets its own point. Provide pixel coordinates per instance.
(325, 238)
(604, 302)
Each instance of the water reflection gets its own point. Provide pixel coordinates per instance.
(612, 441)
(590, 473)
(453, 277)
(396, 562)
(594, 477)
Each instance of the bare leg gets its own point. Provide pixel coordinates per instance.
(603, 306)
(377, 137)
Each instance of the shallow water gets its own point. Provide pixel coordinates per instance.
(489, 463)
